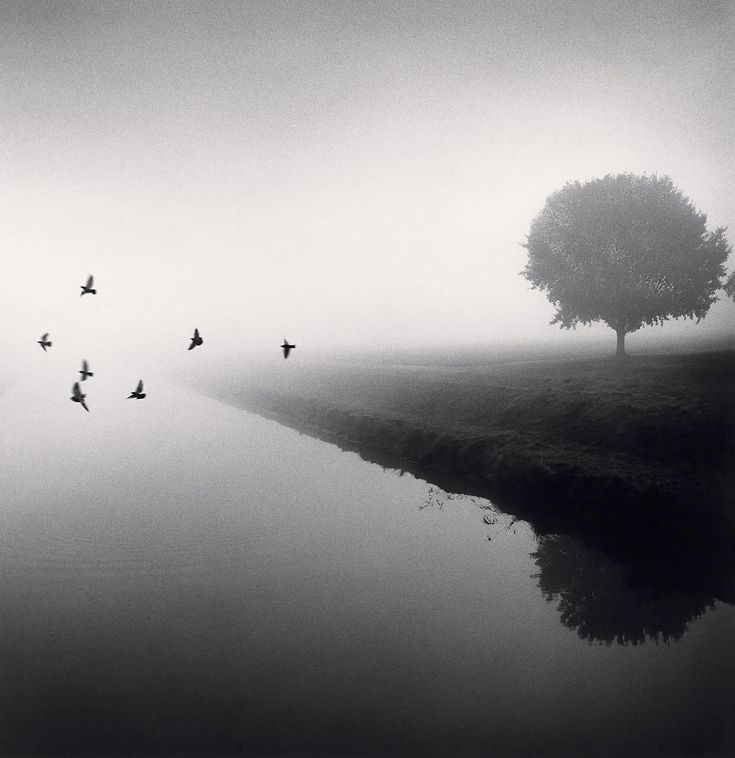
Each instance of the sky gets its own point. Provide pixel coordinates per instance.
(341, 174)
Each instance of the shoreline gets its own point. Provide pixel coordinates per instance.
(665, 500)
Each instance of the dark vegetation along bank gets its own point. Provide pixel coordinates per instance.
(635, 457)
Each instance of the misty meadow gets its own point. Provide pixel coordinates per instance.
(369, 379)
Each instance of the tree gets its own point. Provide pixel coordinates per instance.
(625, 250)
(730, 286)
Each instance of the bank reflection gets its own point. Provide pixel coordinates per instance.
(639, 584)
(609, 602)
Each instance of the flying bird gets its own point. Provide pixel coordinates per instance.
(195, 340)
(137, 393)
(43, 342)
(78, 396)
(87, 289)
(85, 372)
(287, 348)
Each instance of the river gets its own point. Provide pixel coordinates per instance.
(178, 576)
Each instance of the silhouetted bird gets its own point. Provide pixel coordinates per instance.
(85, 372)
(287, 348)
(87, 288)
(137, 393)
(195, 340)
(43, 342)
(78, 396)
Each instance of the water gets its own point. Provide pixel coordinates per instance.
(178, 577)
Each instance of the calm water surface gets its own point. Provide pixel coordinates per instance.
(178, 576)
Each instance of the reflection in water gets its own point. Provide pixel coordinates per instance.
(652, 597)
(627, 566)
(437, 497)
(606, 601)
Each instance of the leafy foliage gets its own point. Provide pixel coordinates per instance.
(730, 286)
(626, 250)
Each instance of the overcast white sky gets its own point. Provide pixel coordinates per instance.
(338, 173)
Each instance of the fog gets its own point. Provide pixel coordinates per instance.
(183, 577)
(344, 175)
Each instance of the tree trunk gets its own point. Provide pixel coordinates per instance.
(621, 343)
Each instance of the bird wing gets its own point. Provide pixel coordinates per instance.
(90, 281)
(84, 366)
(84, 405)
(196, 334)
(44, 337)
(140, 386)
(76, 391)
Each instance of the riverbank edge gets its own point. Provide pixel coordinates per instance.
(623, 507)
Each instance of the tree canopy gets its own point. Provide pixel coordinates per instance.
(626, 250)
(730, 286)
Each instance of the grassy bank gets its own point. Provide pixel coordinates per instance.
(639, 450)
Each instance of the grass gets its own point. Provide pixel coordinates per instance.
(631, 451)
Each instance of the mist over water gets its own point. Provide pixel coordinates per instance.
(182, 577)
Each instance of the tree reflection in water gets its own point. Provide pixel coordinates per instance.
(656, 584)
(609, 602)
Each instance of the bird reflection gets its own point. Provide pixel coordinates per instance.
(609, 602)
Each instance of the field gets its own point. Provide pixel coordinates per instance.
(634, 453)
